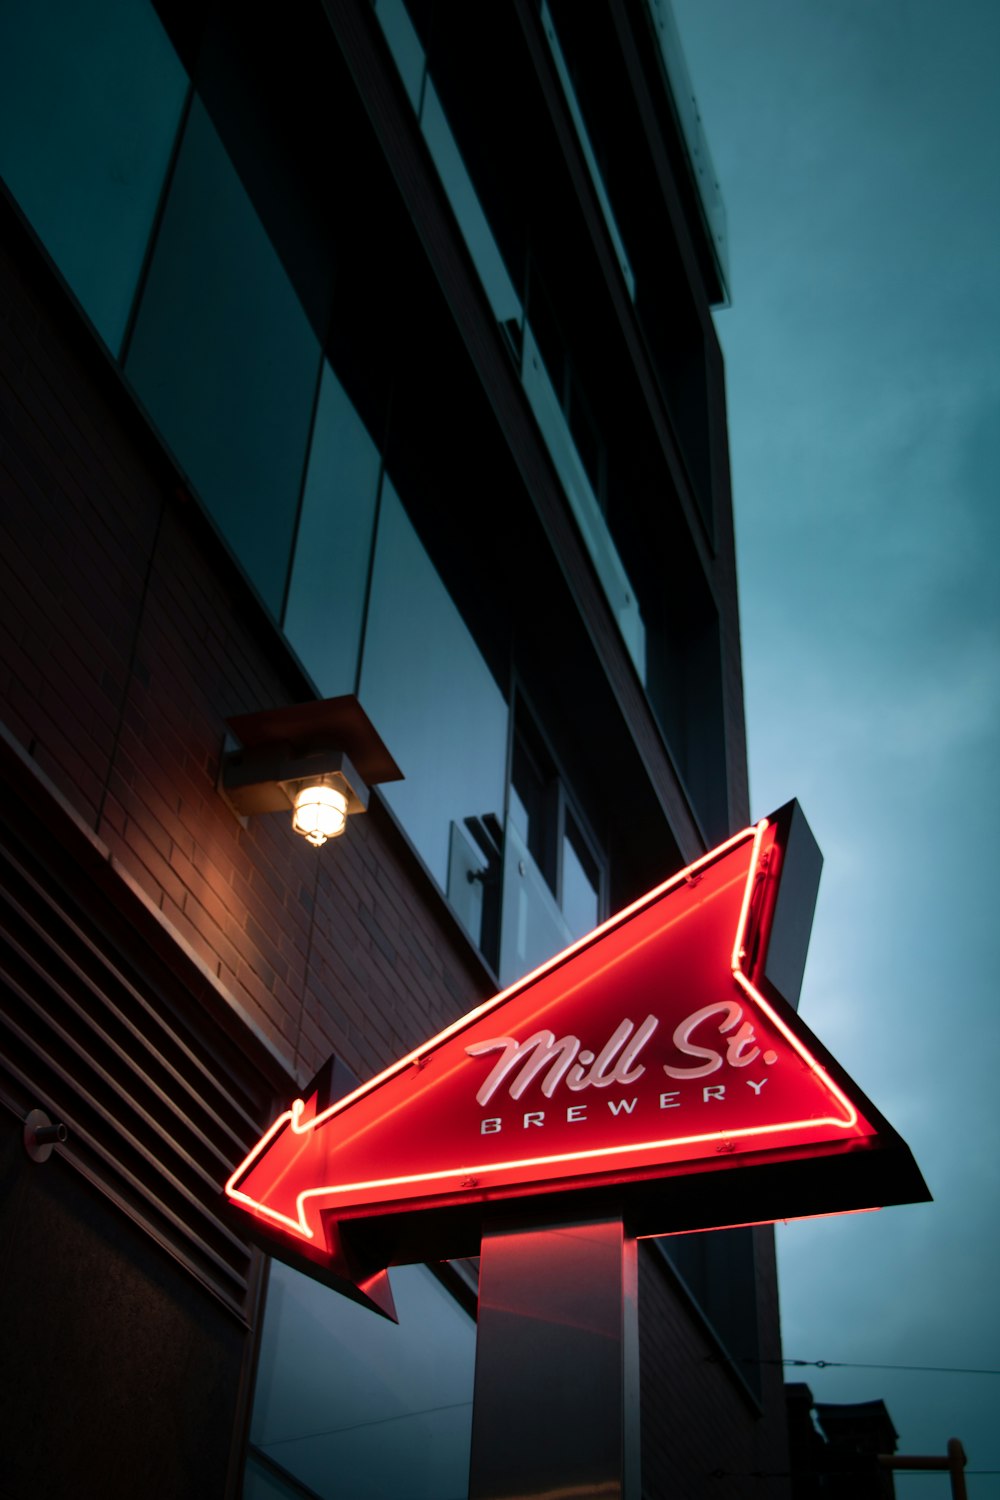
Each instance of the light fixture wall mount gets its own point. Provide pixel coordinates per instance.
(314, 760)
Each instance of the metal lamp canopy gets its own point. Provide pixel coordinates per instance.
(315, 760)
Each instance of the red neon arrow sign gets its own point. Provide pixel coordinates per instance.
(647, 1050)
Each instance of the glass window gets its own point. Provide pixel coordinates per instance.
(351, 1405)
(548, 408)
(465, 204)
(596, 176)
(90, 99)
(534, 808)
(410, 60)
(552, 878)
(225, 359)
(425, 685)
(404, 44)
(475, 861)
(326, 596)
(581, 882)
(533, 926)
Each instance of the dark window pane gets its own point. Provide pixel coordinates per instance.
(225, 360)
(581, 883)
(534, 808)
(90, 98)
(533, 927)
(354, 1405)
(326, 598)
(261, 1482)
(467, 209)
(404, 44)
(431, 694)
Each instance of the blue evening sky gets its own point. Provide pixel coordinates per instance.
(857, 143)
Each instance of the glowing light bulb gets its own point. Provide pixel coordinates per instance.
(320, 813)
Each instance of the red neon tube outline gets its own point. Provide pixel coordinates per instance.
(293, 1116)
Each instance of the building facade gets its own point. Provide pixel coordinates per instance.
(844, 1449)
(358, 351)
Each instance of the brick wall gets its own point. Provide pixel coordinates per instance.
(703, 1435)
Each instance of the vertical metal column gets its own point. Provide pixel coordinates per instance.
(557, 1384)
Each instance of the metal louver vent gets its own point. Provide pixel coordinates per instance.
(159, 1100)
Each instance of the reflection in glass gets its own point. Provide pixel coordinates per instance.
(583, 137)
(467, 874)
(404, 44)
(581, 883)
(475, 858)
(411, 62)
(353, 1405)
(533, 807)
(225, 360)
(326, 596)
(533, 927)
(551, 875)
(465, 205)
(90, 99)
(425, 685)
(686, 105)
(593, 528)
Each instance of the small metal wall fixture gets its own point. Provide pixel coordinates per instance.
(42, 1135)
(315, 760)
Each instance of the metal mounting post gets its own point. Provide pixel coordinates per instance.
(556, 1393)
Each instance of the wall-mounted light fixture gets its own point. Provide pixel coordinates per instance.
(319, 812)
(316, 760)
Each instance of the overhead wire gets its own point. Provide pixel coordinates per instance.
(846, 1364)
(850, 1364)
